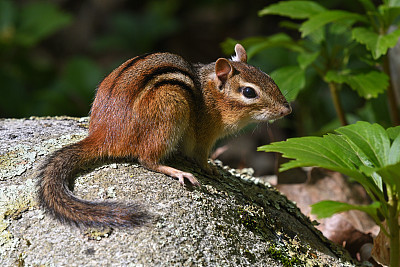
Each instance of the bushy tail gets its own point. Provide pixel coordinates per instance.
(56, 198)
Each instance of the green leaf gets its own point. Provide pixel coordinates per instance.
(368, 5)
(371, 171)
(290, 25)
(321, 19)
(39, 20)
(369, 141)
(290, 80)
(378, 44)
(305, 59)
(393, 132)
(394, 152)
(391, 174)
(326, 152)
(393, 15)
(293, 9)
(354, 146)
(327, 208)
(367, 85)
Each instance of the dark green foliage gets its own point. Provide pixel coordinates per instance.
(25, 73)
(140, 31)
(39, 78)
(337, 49)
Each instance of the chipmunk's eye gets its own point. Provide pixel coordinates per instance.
(248, 92)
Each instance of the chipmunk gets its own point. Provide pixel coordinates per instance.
(150, 107)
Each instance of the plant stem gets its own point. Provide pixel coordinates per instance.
(393, 225)
(394, 113)
(337, 103)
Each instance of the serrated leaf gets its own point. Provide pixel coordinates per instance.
(290, 80)
(321, 19)
(325, 152)
(367, 85)
(293, 9)
(327, 208)
(305, 59)
(378, 44)
(39, 20)
(354, 146)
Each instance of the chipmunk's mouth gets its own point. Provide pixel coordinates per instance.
(274, 115)
(265, 117)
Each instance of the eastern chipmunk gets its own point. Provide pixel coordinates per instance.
(150, 107)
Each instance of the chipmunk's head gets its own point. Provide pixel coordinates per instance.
(246, 94)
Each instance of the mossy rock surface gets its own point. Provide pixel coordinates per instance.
(231, 220)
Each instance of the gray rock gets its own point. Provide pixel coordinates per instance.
(228, 221)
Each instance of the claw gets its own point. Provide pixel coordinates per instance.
(189, 176)
(180, 175)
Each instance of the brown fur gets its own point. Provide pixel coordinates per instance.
(148, 108)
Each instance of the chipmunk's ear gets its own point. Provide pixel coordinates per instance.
(241, 55)
(223, 69)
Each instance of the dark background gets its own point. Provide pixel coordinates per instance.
(57, 73)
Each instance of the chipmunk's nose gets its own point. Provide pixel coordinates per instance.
(286, 109)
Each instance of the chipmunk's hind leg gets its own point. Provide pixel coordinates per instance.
(162, 132)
